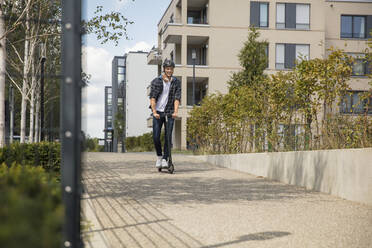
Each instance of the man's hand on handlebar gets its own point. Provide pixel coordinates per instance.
(156, 115)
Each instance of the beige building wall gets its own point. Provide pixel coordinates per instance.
(227, 30)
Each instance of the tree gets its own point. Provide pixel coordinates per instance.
(2, 75)
(253, 59)
(41, 25)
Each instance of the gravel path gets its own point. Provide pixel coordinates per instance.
(129, 204)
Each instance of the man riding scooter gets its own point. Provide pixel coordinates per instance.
(165, 97)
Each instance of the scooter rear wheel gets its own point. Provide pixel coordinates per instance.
(159, 169)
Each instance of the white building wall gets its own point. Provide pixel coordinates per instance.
(139, 75)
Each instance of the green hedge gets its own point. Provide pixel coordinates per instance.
(143, 143)
(31, 210)
(45, 154)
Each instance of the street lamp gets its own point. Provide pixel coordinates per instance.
(193, 56)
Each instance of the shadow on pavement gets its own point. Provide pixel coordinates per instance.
(198, 188)
(251, 237)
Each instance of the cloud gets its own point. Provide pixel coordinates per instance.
(119, 4)
(97, 64)
(139, 46)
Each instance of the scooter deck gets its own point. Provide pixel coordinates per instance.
(170, 168)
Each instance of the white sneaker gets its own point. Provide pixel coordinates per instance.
(158, 162)
(164, 163)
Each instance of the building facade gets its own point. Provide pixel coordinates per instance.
(215, 30)
(118, 102)
(138, 76)
(108, 140)
(126, 100)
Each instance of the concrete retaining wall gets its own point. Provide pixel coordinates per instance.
(344, 173)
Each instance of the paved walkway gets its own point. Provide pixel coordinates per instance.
(129, 204)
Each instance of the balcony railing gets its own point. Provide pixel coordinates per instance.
(154, 57)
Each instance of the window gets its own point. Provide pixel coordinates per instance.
(259, 15)
(264, 17)
(280, 15)
(355, 102)
(120, 78)
(302, 52)
(121, 70)
(194, 17)
(302, 16)
(292, 15)
(287, 54)
(360, 65)
(201, 89)
(267, 55)
(279, 61)
(353, 27)
(121, 62)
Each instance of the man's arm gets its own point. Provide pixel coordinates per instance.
(176, 105)
(177, 99)
(153, 108)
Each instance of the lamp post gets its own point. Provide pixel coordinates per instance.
(193, 56)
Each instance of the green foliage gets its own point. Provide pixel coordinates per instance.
(92, 145)
(108, 27)
(253, 59)
(143, 143)
(294, 110)
(31, 210)
(44, 154)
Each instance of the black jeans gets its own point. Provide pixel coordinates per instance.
(156, 131)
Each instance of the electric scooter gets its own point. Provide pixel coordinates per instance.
(168, 139)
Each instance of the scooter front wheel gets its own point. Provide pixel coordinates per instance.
(171, 169)
(159, 169)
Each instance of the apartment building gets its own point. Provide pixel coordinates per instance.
(215, 31)
(126, 99)
(138, 76)
(108, 140)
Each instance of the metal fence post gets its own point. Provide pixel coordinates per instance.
(70, 135)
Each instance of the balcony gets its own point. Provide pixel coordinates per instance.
(201, 89)
(197, 12)
(199, 45)
(154, 57)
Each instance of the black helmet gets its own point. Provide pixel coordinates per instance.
(168, 63)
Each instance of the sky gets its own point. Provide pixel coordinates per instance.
(97, 58)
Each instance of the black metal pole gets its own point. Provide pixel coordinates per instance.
(42, 99)
(11, 108)
(193, 84)
(124, 134)
(71, 135)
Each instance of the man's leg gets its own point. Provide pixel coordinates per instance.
(156, 130)
(169, 127)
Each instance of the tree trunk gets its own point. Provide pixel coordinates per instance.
(32, 113)
(2, 76)
(37, 116)
(26, 69)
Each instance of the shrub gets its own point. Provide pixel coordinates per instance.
(285, 111)
(31, 211)
(143, 143)
(45, 154)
